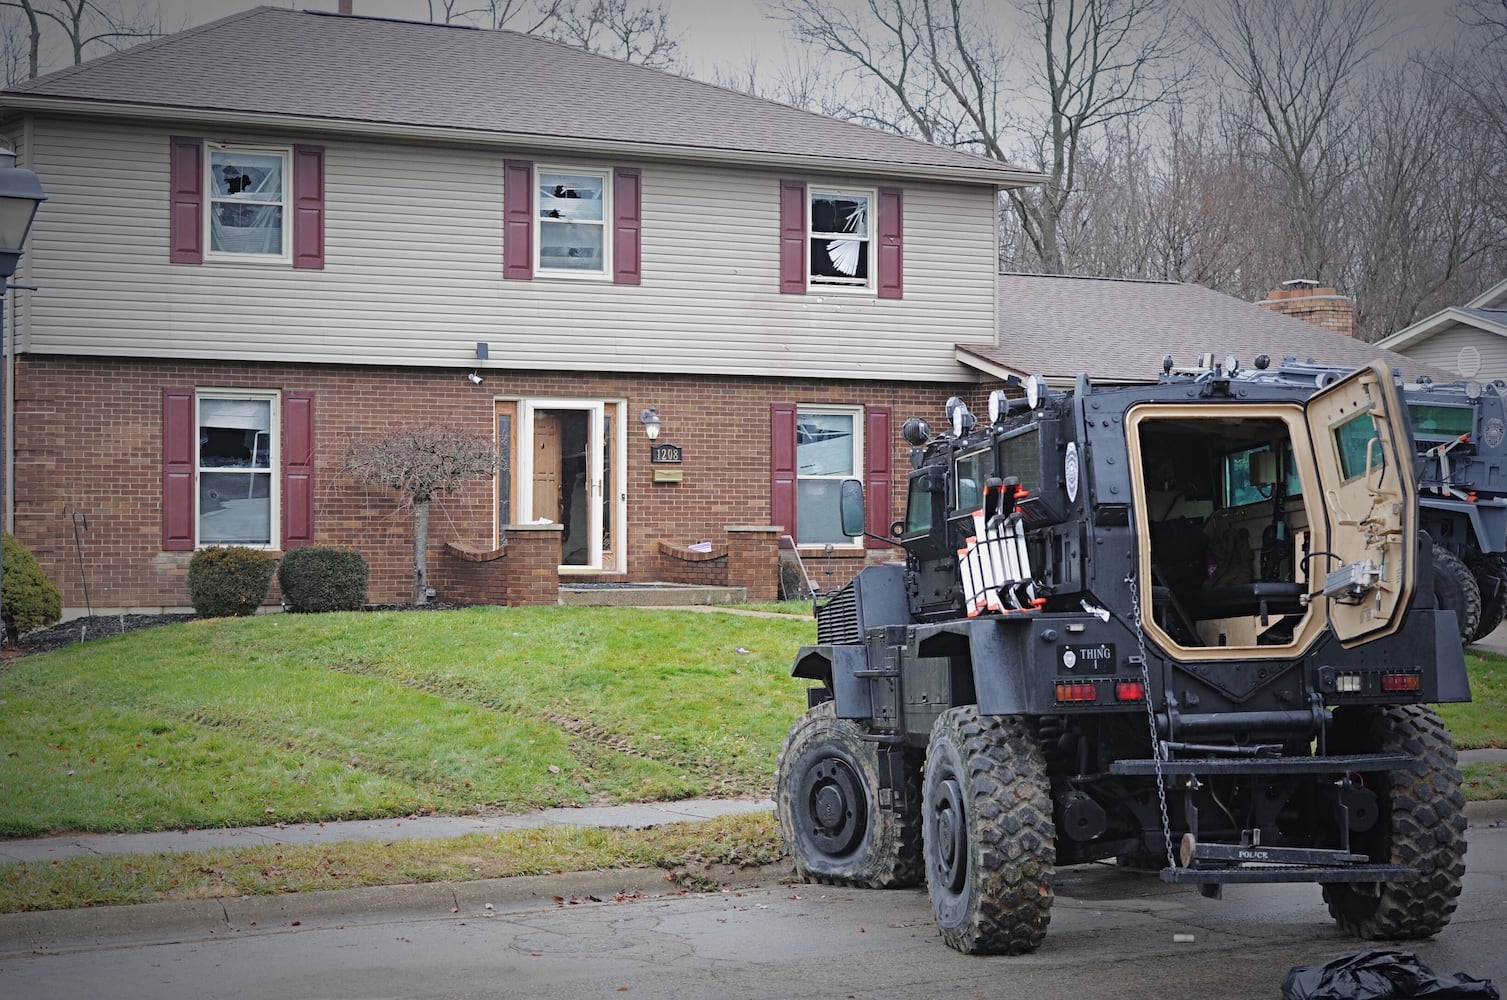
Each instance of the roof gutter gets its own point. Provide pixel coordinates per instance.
(1003, 177)
(1002, 371)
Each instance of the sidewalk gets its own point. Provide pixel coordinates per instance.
(641, 816)
(638, 817)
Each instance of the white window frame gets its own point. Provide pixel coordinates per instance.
(274, 470)
(285, 254)
(856, 412)
(574, 274)
(827, 282)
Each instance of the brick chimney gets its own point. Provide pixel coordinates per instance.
(345, 7)
(1305, 299)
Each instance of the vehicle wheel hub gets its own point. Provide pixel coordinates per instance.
(835, 799)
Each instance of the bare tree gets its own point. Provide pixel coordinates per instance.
(637, 32)
(633, 32)
(15, 45)
(527, 16)
(1296, 67)
(85, 26)
(421, 462)
(1419, 205)
(939, 70)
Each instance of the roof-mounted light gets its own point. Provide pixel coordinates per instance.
(917, 432)
(1036, 390)
(999, 405)
(958, 415)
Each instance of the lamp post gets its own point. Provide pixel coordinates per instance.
(20, 194)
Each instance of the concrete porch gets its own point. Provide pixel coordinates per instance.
(644, 595)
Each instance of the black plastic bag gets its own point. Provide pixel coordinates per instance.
(1381, 975)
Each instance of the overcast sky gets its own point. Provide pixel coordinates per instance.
(727, 33)
(712, 32)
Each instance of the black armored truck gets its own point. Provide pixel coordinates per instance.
(1187, 625)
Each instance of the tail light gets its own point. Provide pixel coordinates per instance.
(1076, 692)
(1130, 691)
(1394, 682)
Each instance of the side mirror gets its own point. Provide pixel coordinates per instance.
(850, 503)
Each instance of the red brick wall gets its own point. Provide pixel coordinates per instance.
(678, 564)
(523, 571)
(89, 438)
(753, 561)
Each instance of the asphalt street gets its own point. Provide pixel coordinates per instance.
(1113, 934)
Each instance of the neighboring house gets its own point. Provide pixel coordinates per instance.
(1120, 330)
(1468, 340)
(272, 233)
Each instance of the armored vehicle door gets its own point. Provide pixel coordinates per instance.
(1358, 430)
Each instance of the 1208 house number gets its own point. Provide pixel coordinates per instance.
(661, 454)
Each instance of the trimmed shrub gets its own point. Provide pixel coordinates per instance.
(229, 580)
(28, 599)
(323, 578)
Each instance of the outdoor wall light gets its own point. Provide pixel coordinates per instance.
(651, 422)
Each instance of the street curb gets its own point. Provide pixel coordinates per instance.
(58, 931)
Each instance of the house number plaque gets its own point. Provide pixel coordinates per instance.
(666, 454)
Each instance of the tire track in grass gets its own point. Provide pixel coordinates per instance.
(421, 779)
(591, 736)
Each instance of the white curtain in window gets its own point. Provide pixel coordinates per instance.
(246, 193)
(239, 414)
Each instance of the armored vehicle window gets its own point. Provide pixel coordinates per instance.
(1441, 421)
(1020, 456)
(1244, 486)
(972, 469)
(1352, 440)
(920, 513)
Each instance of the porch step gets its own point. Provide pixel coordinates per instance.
(649, 595)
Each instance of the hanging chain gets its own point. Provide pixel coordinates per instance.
(1158, 750)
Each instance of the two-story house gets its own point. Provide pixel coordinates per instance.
(275, 233)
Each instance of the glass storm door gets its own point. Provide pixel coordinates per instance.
(568, 472)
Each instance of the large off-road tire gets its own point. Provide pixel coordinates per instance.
(988, 833)
(827, 801)
(1455, 590)
(1490, 572)
(1421, 823)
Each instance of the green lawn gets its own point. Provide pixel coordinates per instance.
(1483, 721)
(227, 722)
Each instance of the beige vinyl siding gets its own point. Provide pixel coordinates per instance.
(413, 272)
(1442, 350)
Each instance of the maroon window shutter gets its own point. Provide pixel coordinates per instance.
(178, 461)
(793, 237)
(891, 243)
(878, 503)
(298, 469)
(308, 207)
(186, 211)
(782, 466)
(627, 204)
(518, 220)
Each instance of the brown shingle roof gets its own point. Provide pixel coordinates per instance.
(408, 74)
(1119, 331)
